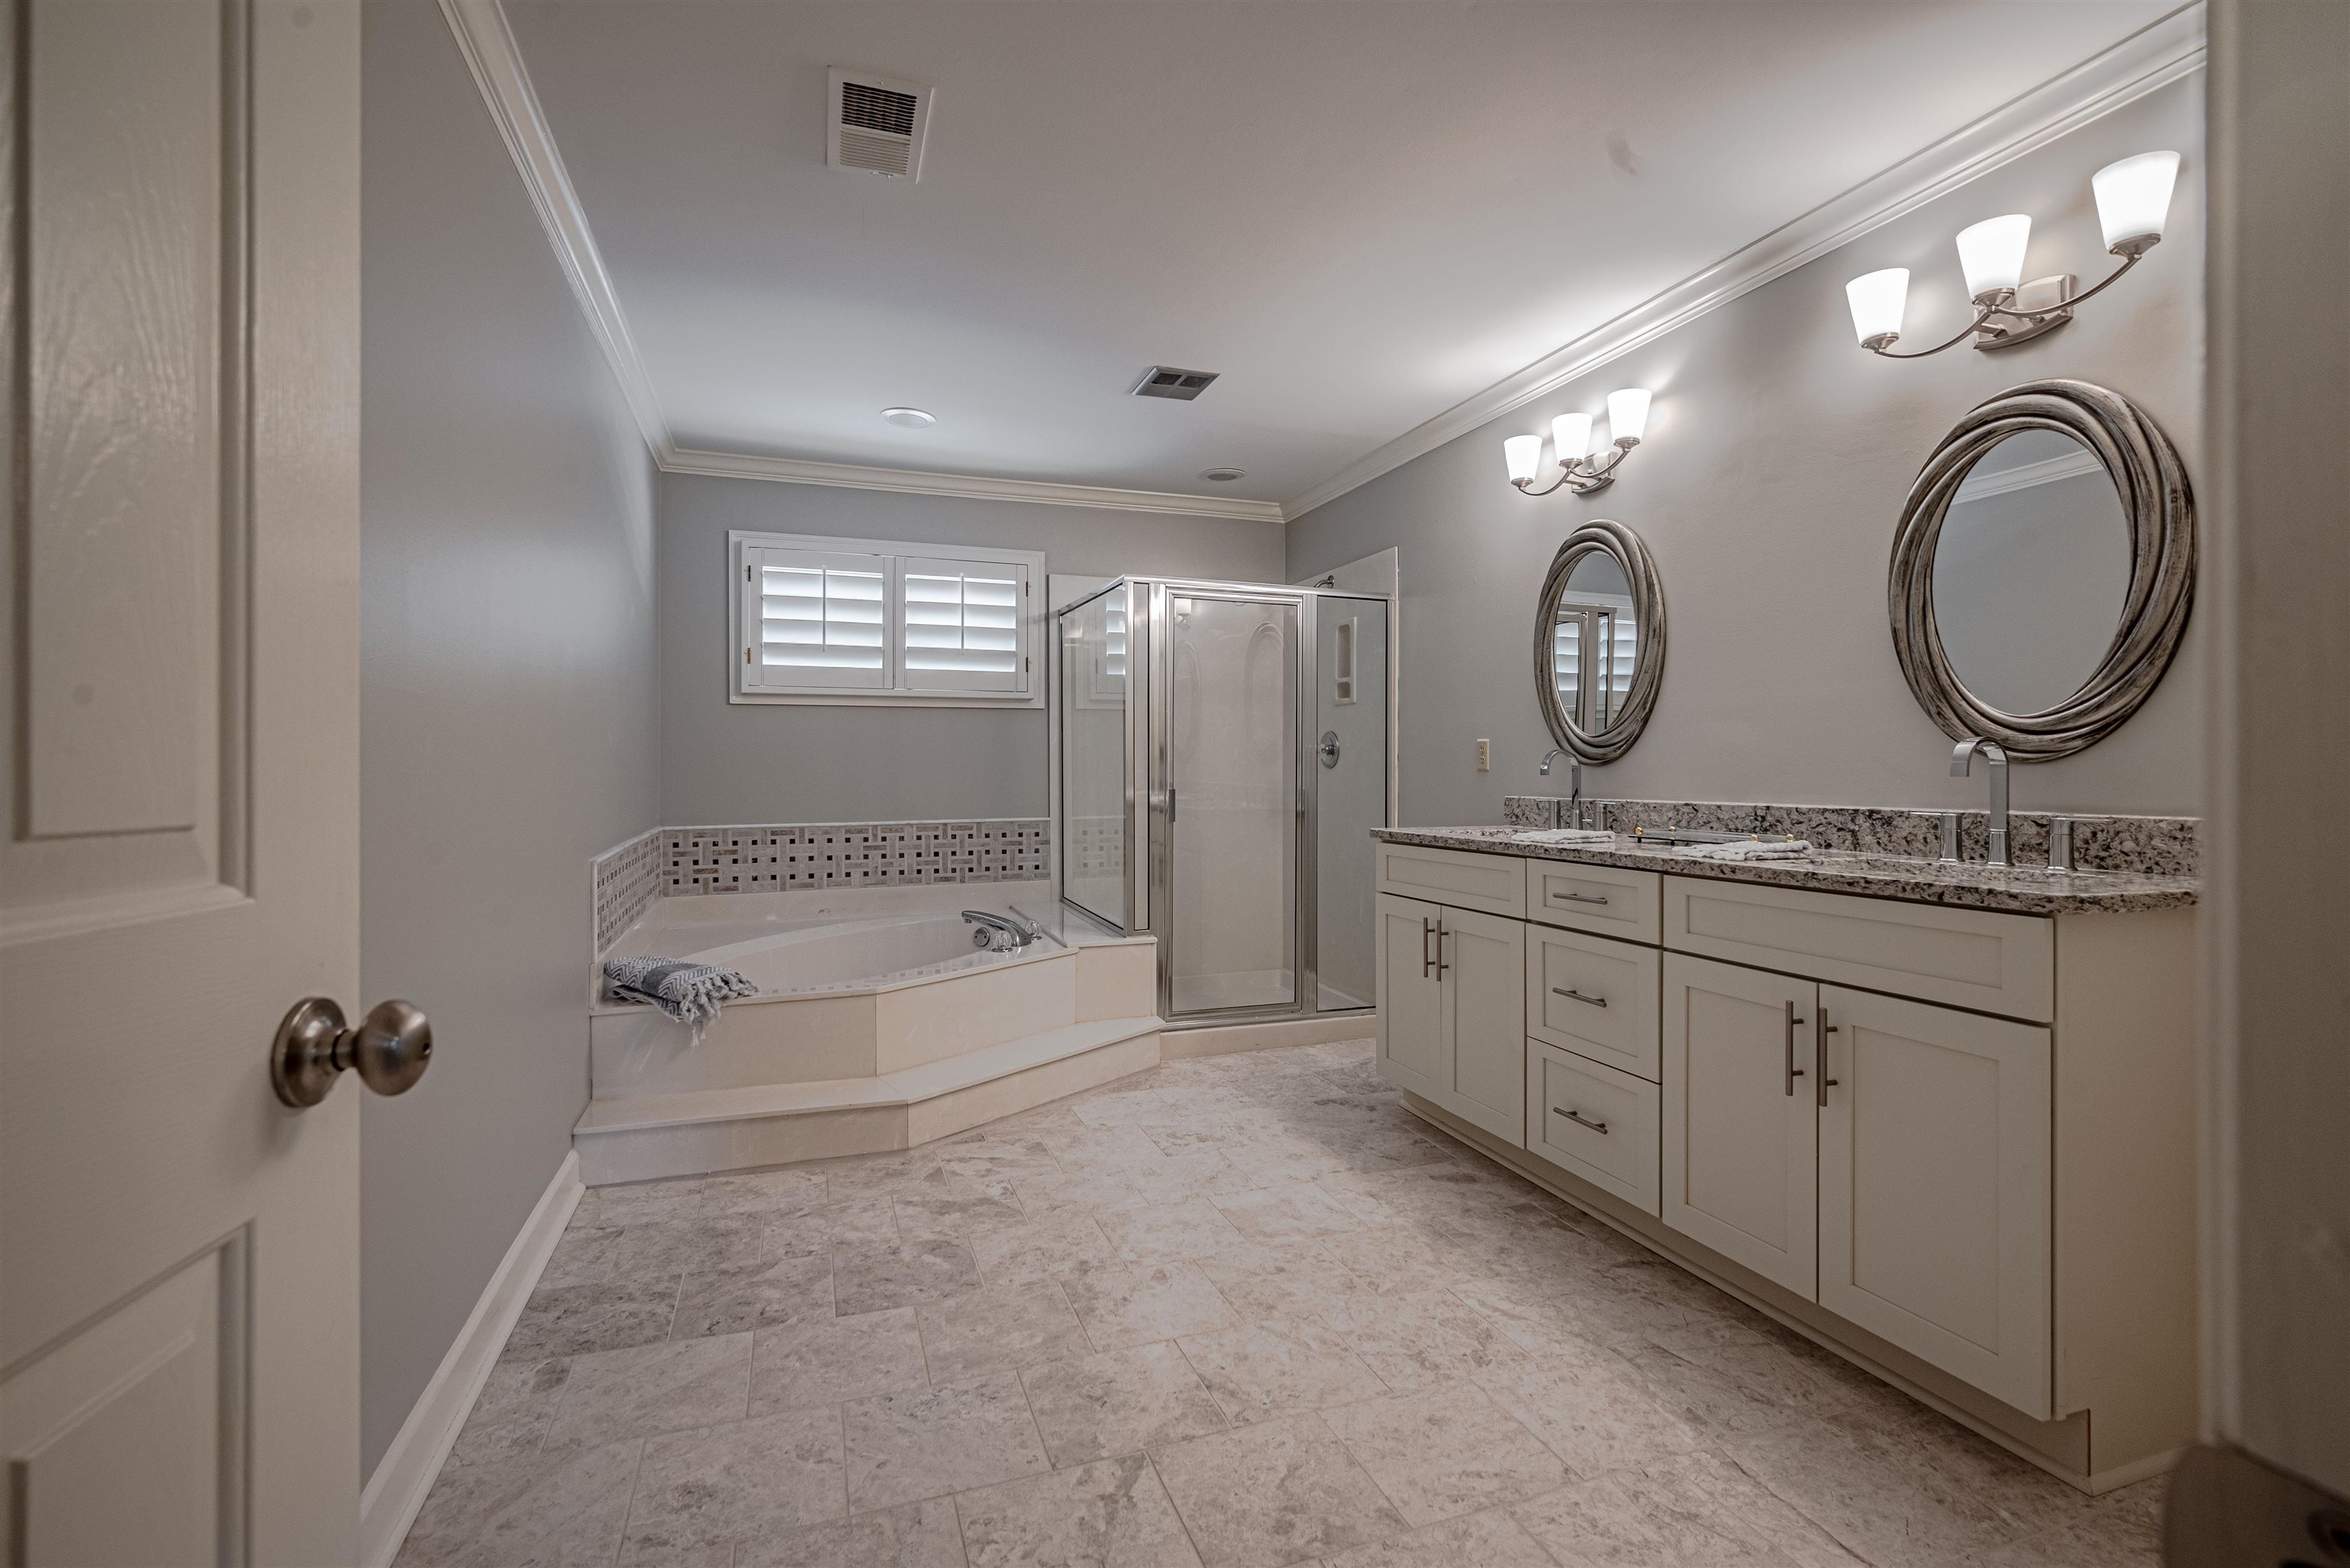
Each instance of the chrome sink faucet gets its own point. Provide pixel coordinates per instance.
(1962, 764)
(1574, 774)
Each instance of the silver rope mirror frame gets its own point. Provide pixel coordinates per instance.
(1639, 568)
(2159, 509)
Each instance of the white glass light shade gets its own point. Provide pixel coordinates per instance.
(1523, 455)
(1991, 254)
(1628, 413)
(2134, 196)
(1877, 299)
(1570, 436)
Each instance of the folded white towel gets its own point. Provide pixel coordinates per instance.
(1565, 836)
(1748, 850)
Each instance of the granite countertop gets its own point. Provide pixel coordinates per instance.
(2020, 890)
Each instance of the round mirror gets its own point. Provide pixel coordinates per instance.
(2032, 571)
(2044, 569)
(1599, 641)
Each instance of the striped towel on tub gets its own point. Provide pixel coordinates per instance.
(690, 993)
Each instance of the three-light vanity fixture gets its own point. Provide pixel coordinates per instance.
(2133, 202)
(1570, 440)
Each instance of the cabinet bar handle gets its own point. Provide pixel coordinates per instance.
(1599, 1128)
(1578, 996)
(1440, 934)
(1794, 1072)
(1580, 897)
(1827, 1083)
(1426, 962)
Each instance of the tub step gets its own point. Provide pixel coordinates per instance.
(644, 1136)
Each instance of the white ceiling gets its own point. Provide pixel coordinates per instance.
(1360, 213)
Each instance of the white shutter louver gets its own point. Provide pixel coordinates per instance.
(961, 625)
(821, 619)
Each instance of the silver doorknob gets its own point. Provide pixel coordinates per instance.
(391, 1047)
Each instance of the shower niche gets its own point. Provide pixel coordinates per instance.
(1222, 755)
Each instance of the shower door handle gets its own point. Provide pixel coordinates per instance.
(1171, 802)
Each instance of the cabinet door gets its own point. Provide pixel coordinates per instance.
(1935, 1190)
(1483, 965)
(1414, 1052)
(1741, 1123)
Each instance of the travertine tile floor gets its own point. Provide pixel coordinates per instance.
(1239, 1311)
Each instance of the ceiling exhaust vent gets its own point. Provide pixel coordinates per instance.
(876, 124)
(1166, 382)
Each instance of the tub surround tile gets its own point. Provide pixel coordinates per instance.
(926, 1443)
(782, 856)
(2019, 889)
(1118, 1402)
(1276, 1493)
(627, 880)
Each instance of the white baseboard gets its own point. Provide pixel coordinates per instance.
(396, 1491)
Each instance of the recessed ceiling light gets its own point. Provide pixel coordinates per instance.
(912, 419)
(1223, 476)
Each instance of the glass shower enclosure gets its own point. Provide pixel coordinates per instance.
(1222, 756)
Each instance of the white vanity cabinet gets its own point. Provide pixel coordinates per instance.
(1991, 1193)
(1452, 1021)
(1741, 1138)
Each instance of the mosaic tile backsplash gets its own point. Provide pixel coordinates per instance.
(2153, 845)
(627, 880)
(779, 857)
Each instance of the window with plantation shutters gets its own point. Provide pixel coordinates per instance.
(862, 620)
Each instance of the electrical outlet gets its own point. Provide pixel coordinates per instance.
(1484, 756)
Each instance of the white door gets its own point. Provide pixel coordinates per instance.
(1936, 1188)
(1414, 1053)
(1482, 960)
(177, 1251)
(1741, 1125)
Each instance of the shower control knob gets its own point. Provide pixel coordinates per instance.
(391, 1047)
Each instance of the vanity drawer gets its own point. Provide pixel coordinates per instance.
(1964, 958)
(1611, 1138)
(1601, 898)
(1595, 997)
(1493, 883)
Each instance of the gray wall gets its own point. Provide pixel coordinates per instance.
(507, 658)
(1777, 457)
(724, 762)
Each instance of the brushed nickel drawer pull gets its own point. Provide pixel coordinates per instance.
(1440, 934)
(1427, 928)
(1578, 996)
(1794, 1072)
(1581, 1121)
(1580, 897)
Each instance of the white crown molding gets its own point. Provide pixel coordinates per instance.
(1979, 486)
(2152, 57)
(487, 42)
(965, 486)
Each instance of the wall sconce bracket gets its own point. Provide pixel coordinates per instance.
(2040, 307)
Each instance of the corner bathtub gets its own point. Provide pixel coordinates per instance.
(859, 983)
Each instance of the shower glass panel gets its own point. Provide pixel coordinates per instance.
(1095, 665)
(1232, 809)
(1350, 794)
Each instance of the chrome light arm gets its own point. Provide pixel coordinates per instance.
(1578, 475)
(2031, 319)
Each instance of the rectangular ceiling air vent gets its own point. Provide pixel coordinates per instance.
(1166, 382)
(876, 125)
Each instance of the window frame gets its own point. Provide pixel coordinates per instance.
(894, 692)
